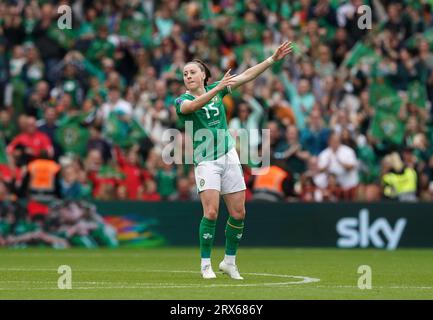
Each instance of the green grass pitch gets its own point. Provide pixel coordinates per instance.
(173, 273)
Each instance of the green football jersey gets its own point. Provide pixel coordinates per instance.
(211, 138)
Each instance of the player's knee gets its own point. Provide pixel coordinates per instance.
(211, 213)
(238, 213)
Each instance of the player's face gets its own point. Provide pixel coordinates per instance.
(193, 76)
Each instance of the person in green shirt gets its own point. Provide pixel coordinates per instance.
(72, 133)
(217, 167)
(165, 178)
(100, 47)
(8, 129)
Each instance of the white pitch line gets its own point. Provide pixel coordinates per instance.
(126, 285)
(374, 287)
(120, 285)
(102, 283)
(304, 280)
(153, 286)
(156, 271)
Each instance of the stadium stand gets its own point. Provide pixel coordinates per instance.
(83, 110)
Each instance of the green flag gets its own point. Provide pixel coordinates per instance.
(417, 94)
(73, 135)
(124, 133)
(386, 125)
(360, 53)
(139, 30)
(384, 98)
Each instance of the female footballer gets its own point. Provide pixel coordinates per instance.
(217, 166)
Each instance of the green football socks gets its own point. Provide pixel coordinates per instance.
(207, 233)
(234, 230)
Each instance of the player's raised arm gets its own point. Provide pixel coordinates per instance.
(196, 104)
(253, 72)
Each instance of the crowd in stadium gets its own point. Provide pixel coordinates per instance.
(67, 223)
(83, 110)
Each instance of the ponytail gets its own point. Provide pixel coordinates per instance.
(203, 68)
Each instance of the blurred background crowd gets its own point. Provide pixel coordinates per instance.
(67, 223)
(83, 110)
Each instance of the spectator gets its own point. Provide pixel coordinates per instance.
(49, 126)
(341, 161)
(340, 45)
(69, 184)
(92, 165)
(272, 184)
(156, 121)
(100, 47)
(49, 47)
(333, 192)
(324, 65)
(301, 99)
(276, 140)
(150, 192)
(33, 140)
(308, 191)
(340, 122)
(71, 83)
(33, 70)
(165, 178)
(314, 138)
(399, 182)
(294, 155)
(97, 142)
(18, 61)
(8, 128)
(38, 99)
(313, 171)
(135, 176)
(41, 181)
(249, 116)
(183, 190)
(114, 103)
(104, 177)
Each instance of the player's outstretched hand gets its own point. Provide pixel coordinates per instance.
(227, 80)
(282, 51)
